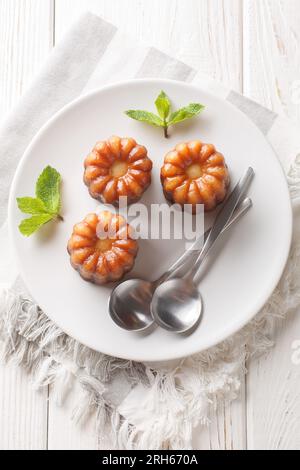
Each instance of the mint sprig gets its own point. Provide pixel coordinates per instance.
(165, 117)
(45, 206)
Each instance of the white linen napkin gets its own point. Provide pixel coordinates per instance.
(139, 405)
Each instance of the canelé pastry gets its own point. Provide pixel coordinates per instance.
(195, 173)
(117, 167)
(101, 247)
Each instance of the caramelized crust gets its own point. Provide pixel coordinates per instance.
(195, 173)
(102, 248)
(117, 167)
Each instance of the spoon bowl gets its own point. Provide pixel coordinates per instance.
(177, 305)
(129, 304)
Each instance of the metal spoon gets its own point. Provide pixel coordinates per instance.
(129, 303)
(176, 304)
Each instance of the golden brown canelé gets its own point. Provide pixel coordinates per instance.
(117, 167)
(195, 173)
(101, 247)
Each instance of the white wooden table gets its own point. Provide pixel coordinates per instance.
(252, 45)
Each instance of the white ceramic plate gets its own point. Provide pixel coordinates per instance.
(248, 261)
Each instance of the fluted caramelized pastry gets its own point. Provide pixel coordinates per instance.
(195, 173)
(117, 167)
(101, 247)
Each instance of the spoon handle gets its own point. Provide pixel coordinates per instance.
(193, 252)
(222, 219)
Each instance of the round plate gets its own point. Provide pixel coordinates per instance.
(247, 262)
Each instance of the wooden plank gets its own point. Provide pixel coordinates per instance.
(271, 53)
(23, 412)
(271, 65)
(227, 429)
(204, 34)
(273, 408)
(25, 39)
(208, 36)
(26, 34)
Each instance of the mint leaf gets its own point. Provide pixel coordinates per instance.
(145, 116)
(31, 205)
(28, 226)
(185, 113)
(45, 206)
(47, 189)
(163, 105)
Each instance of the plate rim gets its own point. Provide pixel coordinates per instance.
(227, 332)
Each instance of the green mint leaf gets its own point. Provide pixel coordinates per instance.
(28, 226)
(145, 116)
(45, 206)
(31, 205)
(163, 105)
(185, 113)
(47, 189)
